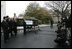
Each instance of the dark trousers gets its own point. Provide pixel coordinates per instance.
(24, 30)
(15, 31)
(6, 36)
(10, 31)
(1, 33)
(51, 26)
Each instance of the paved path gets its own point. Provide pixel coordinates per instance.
(42, 39)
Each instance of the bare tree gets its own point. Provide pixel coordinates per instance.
(61, 8)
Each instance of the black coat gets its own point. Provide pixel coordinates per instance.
(24, 24)
(69, 21)
(4, 26)
(14, 24)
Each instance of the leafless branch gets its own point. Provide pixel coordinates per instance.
(60, 7)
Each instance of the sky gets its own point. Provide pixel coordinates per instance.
(18, 7)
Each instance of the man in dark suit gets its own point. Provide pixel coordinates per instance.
(10, 25)
(5, 28)
(69, 21)
(24, 25)
(8, 21)
(51, 23)
(14, 26)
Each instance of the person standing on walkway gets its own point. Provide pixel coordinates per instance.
(24, 25)
(14, 27)
(11, 24)
(8, 21)
(5, 28)
(51, 21)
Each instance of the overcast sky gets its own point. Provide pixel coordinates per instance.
(18, 7)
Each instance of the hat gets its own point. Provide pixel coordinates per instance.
(7, 16)
(4, 17)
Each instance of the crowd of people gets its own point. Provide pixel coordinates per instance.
(8, 26)
(64, 32)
